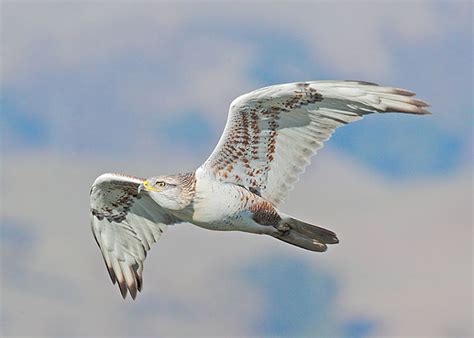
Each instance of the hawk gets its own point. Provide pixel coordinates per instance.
(268, 140)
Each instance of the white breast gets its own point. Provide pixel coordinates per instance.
(215, 201)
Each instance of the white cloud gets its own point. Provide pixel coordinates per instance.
(51, 36)
(405, 251)
(89, 68)
(404, 257)
(347, 38)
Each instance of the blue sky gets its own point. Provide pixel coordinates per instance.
(300, 301)
(100, 85)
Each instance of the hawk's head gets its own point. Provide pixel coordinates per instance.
(173, 192)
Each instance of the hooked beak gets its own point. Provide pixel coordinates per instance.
(144, 186)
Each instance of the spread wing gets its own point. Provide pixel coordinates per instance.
(272, 132)
(125, 224)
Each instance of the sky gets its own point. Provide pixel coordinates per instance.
(144, 87)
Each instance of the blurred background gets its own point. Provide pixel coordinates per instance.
(143, 88)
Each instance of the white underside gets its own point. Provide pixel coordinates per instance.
(217, 206)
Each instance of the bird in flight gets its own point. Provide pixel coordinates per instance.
(268, 140)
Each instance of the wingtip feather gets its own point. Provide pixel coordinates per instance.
(129, 278)
(111, 274)
(401, 100)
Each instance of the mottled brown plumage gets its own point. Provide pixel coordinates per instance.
(264, 213)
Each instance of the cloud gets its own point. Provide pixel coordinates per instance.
(405, 254)
(112, 73)
(300, 299)
(398, 245)
(68, 37)
(403, 146)
(347, 38)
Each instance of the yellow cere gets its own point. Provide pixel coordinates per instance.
(148, 187)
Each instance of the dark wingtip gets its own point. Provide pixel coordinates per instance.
(363, 82)
(139, 283)
(419, 111)
(133, 292)
(111, 273)
(123, 288)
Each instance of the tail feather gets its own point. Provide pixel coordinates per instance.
(305, 235)
(323, 235)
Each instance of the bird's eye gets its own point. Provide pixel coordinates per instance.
(160, 184)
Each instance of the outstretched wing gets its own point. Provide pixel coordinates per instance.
(272, 132)
(125, 224)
